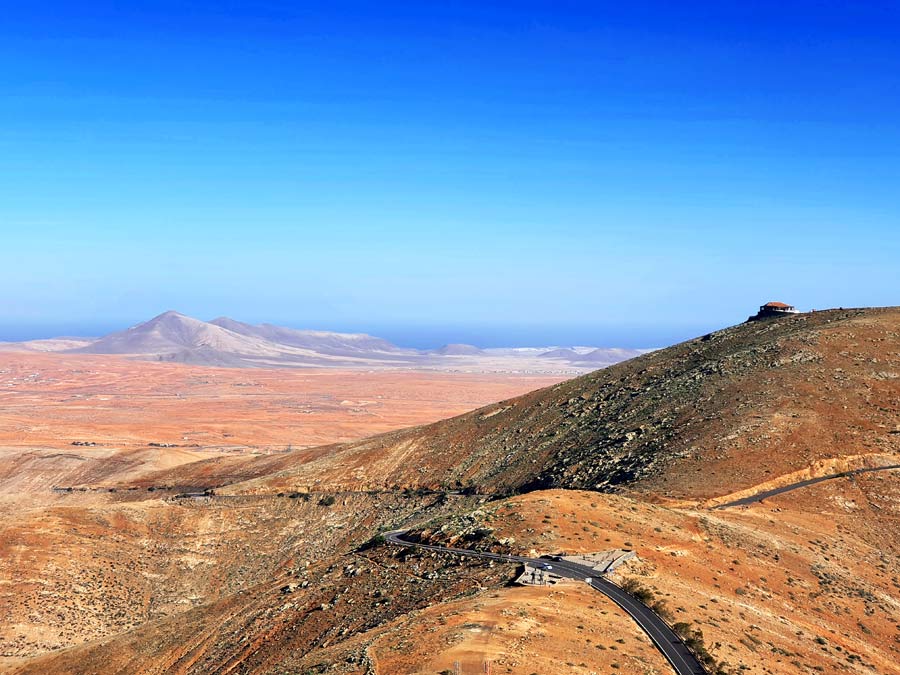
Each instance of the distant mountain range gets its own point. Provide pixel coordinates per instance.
(224, 342)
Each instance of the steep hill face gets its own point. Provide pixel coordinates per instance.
(165, 585)
(724, 412)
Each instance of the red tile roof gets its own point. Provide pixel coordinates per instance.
(777, 305)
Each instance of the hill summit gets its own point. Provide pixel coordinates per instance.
(180, 338)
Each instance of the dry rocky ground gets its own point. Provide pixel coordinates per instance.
(262, 577)
(805, 583)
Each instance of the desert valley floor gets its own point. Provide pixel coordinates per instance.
(54, 400)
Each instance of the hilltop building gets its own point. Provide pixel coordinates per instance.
(773, 309)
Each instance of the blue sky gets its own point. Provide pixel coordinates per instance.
(566, 172)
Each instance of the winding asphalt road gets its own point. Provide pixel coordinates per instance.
(759, 496)
(666, 640)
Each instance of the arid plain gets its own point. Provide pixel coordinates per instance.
(53, 400)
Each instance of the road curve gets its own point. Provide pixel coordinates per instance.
(759, 496)
(666, 640)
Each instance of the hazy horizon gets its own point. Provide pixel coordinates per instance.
(412, 336)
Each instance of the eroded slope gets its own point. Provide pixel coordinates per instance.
(703, 418)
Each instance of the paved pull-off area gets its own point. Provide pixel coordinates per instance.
(666, 640)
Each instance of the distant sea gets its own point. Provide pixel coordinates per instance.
(20, 332)
(424, 337)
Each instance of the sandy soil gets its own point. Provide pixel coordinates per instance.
(567, 628)
(805, 583)
(51, 400)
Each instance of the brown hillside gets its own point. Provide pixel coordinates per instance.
(701, 419)
(263, 579)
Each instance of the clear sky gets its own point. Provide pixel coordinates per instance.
(612, 173)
